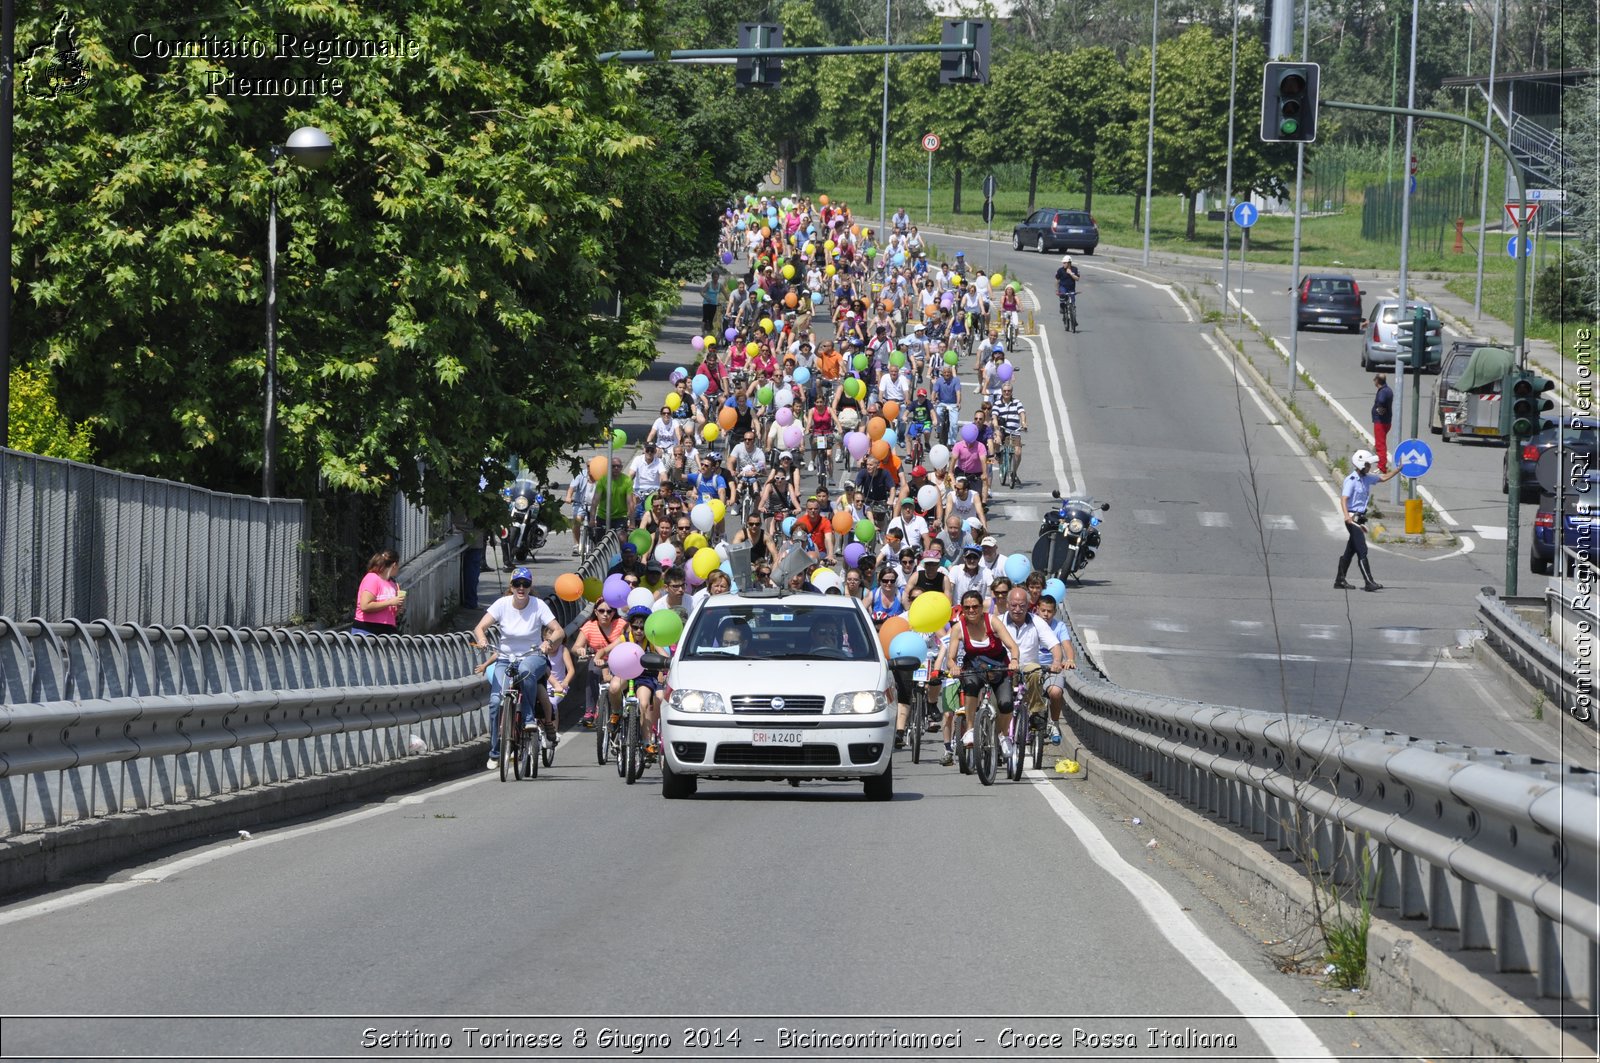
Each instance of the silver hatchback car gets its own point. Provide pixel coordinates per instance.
(1379, 342)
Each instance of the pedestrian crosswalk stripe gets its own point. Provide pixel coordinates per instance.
(1149, 516)
(1215, 520)
(1278, 522)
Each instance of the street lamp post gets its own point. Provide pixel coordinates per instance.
(310, 147)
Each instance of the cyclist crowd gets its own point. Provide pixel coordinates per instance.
(851, 419)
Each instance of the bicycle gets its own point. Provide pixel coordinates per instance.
(519, 745)
(1011, 331)
(627, 745)
(1069, 310)
(1021, 729)
(1008, 454)
(984, 740)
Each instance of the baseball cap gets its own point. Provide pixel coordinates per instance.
(930, 555)
(962, 480)
(918, 327)
(904, 502)
(522, 573)
(639, 610)
(971, 549)
(989, 540)
(629, 548)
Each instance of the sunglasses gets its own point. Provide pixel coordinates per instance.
(604, 612)
(629, 582)
(972, 608)
(521, 585)
(890, 579)
(682, 527)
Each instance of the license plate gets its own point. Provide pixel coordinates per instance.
(777, 738)
(920, 675)
(1327, 321)
(1075, 232)
(1484, 430)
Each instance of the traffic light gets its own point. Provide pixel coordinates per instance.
(755, 72)
(1289, 103)
(1527, 405)
(1432, 346)
(965, 67)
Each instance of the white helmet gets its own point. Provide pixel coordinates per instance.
(1362, 459)
(1066, 260)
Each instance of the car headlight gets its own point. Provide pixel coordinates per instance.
(697, 701)
(1074, 526)
(520, 503)
(861, 701)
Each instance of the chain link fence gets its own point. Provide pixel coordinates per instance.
(81, 541)
(1435, 206)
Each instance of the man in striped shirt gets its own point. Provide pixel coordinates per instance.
(1012, 420)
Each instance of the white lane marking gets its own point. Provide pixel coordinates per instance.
(1025, 514)
(1076, 480)
(1161, 623)
(1149, 516)
(1466, 548)
(1283, 1032)
(1492, 532)
(1278, 522)
(1096, 646)
(1364, 433)
(166, 869)
(1210, 519)
(1408, 636)
(1320, 631)
(1335, 526)
(1130, 286)
(1041, 361)
(1169, 289)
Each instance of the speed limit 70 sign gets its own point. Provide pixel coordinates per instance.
(930, 142)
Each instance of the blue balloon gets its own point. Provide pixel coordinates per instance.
(700, 385)
(889, 437)
(908, 644)
(727, 567)
(1056, 589)
(788, 526)
(1018, 567)
(802, 375)
(729, 401)
(899, 258)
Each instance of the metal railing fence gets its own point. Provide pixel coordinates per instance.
(1500, 849)
(78, 540)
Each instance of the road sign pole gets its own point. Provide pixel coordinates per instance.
(928, 216)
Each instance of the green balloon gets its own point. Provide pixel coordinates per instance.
(619, 438)
(865, 531)
(764, 395)
(897, 359)
(640, 540)
(663, 628)
(872, 252)
(951, 358)
(853, 388)
(859, 362)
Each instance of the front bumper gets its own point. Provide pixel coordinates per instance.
(722, 746)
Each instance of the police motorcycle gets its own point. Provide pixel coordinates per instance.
(522, 535)
(1068, 537)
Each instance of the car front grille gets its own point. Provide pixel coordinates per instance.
(812, 756)
(790, 703)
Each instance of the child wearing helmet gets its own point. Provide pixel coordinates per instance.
(1354, 499)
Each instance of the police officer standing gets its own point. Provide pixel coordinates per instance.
(1353, 501)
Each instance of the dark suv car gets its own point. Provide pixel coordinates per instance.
(1057, 230)
(1580, 526)
(1329, 299)
(1578, 434)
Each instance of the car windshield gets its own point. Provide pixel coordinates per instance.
(778, 631)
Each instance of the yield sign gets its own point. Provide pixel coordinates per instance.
(1526, 213)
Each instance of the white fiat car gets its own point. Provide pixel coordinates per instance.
(774, 685)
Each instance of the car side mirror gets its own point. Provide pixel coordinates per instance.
(1054, 493)
(654, 661)
(1105, 507)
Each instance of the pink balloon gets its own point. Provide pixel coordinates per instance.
(691, 577)
(793, 436)
(857, 443)
(1005, 371)
(626, 660)
(698, 343)
(785, 416)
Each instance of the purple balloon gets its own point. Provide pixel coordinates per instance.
(615, 591)
(969, 434)
(1005, 371)
(853, 554)
(730, 334)
(857, 443)
(697, 342)
(727, 257)
(626, 660)
(947, 300)
(785, 416)
(793, 436)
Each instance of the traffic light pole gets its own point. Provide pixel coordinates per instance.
(1519, 313)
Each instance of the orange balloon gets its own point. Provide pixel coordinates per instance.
(855, 230)
(823, 200)
(842, 521)
(895, 625)
(765, 232)
(791, 300)
(569, 587)
(876, 427)
(891, 410)
(598, 468)
(888, 306)
(727, 418)
(880, 449)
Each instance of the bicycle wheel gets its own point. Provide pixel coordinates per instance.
(917, 724)
(602, 723)
(510, 710)
(1036, 740)
(1072, 312)
(547, 753)
(1018, 760)
(983, 743)
(528, 756)
(619, 740)
(634, 744)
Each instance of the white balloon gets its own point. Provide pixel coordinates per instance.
(938, 456)
(703, 518)
(722, 550)
(784, 397)
(641, 596)
(666, 553)
(416, 744)
(927, 496)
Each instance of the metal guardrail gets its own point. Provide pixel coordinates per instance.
(1499, 848)
(1562, 664)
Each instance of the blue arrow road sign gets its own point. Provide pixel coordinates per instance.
(1511, 247)
(1245, 215)
(1414, 458)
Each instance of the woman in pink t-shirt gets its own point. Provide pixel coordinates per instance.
(378, 600)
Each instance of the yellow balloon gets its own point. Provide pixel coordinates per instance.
(810, 249)
(718, 510)
(929, 613)
(674, 400)
(828, 246)
(705, 561)
(996, 280)
(830, 271)
(752, 349)
(711, 341)
(710, 433)
(693, 541)
(788, 272)
(766, 324)
(956, 279)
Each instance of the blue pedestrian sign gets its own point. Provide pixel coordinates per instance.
(1527, 247)
(1245, 215)
(1414, 458)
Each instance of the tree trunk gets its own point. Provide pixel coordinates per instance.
(955, 207)
(1138, 202)
(1194, 198)
(1088, 188)
(872, 168)
(1033, 184)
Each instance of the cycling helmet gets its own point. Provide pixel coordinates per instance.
(639, 610)
(1066, 260)
(960, 255)
(521, 574)
(999, 349)
(1362, 459)
(922, 393)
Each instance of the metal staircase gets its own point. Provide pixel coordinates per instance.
(1547, 165)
